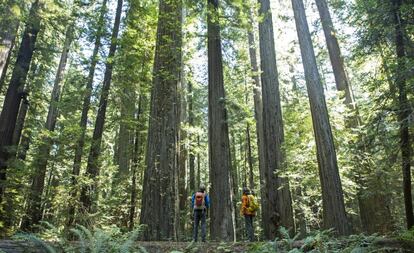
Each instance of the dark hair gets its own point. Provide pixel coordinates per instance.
(202, 188)
(246, 190)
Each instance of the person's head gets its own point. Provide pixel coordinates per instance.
(245, 190)
(202, 188)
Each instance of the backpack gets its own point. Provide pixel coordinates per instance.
(199, 202)
(252, 205)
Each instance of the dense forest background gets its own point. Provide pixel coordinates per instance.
(114, 112)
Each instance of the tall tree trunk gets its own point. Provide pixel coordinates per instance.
(12, 99)
(192, 186)
(34, 210)
(372, 207)
(337, 62)
(250, 158)
(276, 198)
(341, 79)
(334, 215)
(198, 163)
(124, 150)
(84, 116)
(8, 31)
(128, 101)
(222, 211)
(89, 192)
(257, 91)
(160, 191)
(135, 164)
(183, 152)
(404, 110)
(243, 162)
(24, 106)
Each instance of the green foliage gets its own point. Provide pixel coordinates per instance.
(321, 242)
(89, 241)
(37, 241)
(407, 235)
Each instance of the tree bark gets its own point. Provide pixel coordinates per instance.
(34, 210)
(192, 186)
(404, 110)
(257, 92)
(198, 163)
(24, 106)
(276, 198)
(183, 152)
(160, 191)
(222, 212)
(250, 158)
(8, 33)
(89, 193)
(134, 167)
(337, 62)
(12, 99)
(334, 215)
(341, 79)
(84, 115)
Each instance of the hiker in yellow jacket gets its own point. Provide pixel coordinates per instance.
(248, 211)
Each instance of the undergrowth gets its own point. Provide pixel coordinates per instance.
(84, 240)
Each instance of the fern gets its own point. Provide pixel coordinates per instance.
(82, 241)
(102, 242)
(132, 237)
(37, 241)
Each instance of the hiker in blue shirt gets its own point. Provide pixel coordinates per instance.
(200, 203)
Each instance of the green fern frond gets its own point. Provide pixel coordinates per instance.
(37, 241)
(82, 241)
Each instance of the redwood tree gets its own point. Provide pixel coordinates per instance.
(84, 114)
(334, 215)
(222, 213)
(276, 198)
(14, 93)
(404, 110)
(89, 192)
(34, 210)
(160, 189)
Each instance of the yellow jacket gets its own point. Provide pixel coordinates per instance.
(245, 206)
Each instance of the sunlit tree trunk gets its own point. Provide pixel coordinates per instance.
(8, 31)
(404, 110)
(276, 204)
(13, 96)
(182, 154)
(257, 92)
(160, 192)
(250, 158)
(222, 213)
(198, 163)
(192, 186)
(334, 215)
(84, 116)
(34, 210)
(89, 193)
(134, 167)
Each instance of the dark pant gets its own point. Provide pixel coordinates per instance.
(249, 227)
(199, 215)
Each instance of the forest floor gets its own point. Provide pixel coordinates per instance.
(379, 245)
